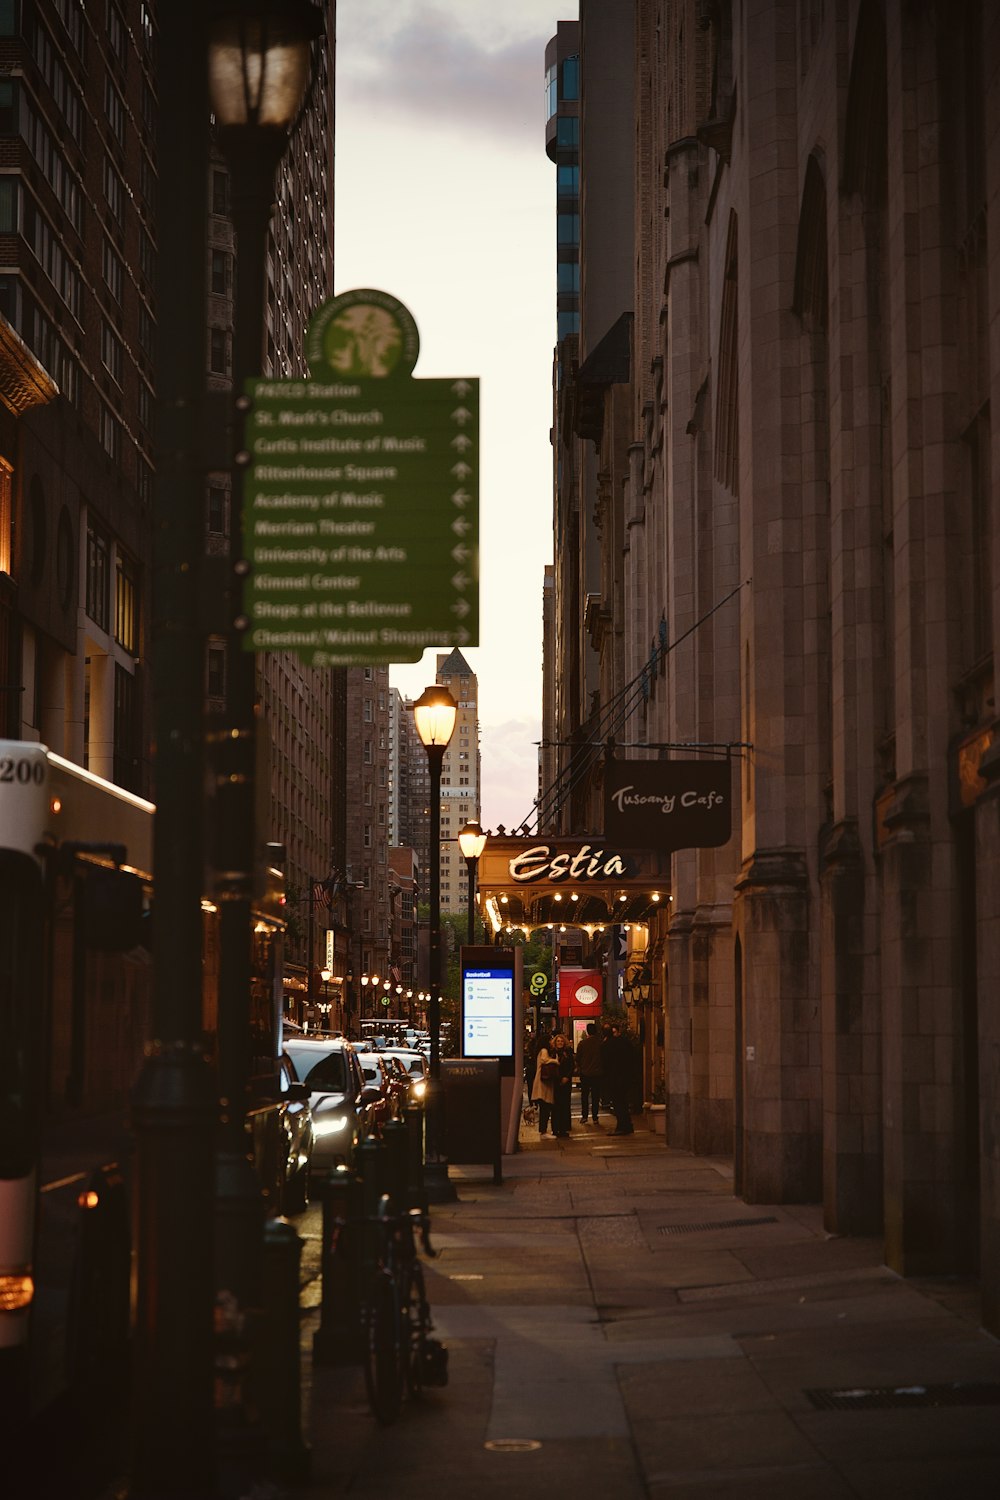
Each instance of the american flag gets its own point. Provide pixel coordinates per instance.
(324, 891)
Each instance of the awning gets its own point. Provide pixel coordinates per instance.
(572, 882)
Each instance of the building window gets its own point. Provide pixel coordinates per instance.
(147, 256)
(126, 633)
(220, 272)
(126, 758)
(114, 108)
(219, 351)
(114, 191)
(114, 271)
(111, 433)
(217, 509)
(220, 192)
(567, 229)
(8, 205)
(112, 353)
(216, 672)
(5, 516)
(98, 577)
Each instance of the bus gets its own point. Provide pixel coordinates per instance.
(76, 937)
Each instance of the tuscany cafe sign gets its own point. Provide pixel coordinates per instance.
(668, 804)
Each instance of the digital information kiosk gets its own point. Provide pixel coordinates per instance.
(493, 1024)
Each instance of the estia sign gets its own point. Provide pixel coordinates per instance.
(530, 867)
(542, 862)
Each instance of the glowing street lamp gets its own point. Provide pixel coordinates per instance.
(434, 715)
(472, 842)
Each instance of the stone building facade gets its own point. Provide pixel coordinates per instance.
(803, 541)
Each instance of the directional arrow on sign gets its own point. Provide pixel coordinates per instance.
(461, 580)
(461, 471)
(461, 416)
(461, 553)
(460, 526)
(461, 608)
(461, 387)
(461, 442)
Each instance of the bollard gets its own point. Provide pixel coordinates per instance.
(397, 1164)
(337, 1340)
(288, 1455)
(371, 1163)
(413, 1115)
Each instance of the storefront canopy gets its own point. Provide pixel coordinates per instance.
(573, 882)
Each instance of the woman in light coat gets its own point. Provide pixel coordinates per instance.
(543, 1093)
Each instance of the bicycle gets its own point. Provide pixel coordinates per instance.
(400, 1358)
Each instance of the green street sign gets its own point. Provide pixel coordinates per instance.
(539, 982)
(361, 514)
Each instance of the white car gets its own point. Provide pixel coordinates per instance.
(341, 1101)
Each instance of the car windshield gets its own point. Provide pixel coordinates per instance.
(326, 1071)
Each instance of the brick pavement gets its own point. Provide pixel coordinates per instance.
(620, 1325)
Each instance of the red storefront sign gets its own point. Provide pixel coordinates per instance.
(580, 992)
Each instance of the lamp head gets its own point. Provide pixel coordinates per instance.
(471, 840)
(259, 61)
(434, 715)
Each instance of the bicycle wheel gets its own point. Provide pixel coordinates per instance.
(385, 1365)
(416, 1319)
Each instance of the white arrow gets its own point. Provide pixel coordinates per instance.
(461, 609)
(460, 526)
(462, 636)
(461, 553)
(461, 442)
(461, 471)
(461, 416)
(460, 580)
(461, 387)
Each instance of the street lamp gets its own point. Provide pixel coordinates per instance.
(434, 715)
(259, 69)
(472, 842)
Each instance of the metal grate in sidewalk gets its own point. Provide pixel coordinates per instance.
(715, 1224)
(907, 1397)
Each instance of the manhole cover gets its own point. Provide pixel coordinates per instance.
(512, 1445)
(907, 1397)
(718, 1224)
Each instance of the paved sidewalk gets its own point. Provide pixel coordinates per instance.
(620, 1325)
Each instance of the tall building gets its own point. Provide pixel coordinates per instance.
(77, 329)
(460, 777)
(368, 767)
(801, 541)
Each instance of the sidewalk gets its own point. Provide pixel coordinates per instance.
(620, 1325)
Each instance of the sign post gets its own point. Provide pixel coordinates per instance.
(361, 513)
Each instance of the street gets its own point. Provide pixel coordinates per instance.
(619, 1324)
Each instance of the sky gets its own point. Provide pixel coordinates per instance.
(445, 199)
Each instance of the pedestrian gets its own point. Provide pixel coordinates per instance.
(605, 1085)
(591, 1069)
(543, 1089)
(566, 1067)
(618, 1072)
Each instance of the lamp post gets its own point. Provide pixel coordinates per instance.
(260, 63)
(434, 714)
(472, 842)
(174, 1105)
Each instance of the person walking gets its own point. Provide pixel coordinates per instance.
(618, 1071)
(590, 1066)
(543, 1090)
(566, 1066)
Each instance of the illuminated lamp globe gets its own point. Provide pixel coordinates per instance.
(259, 62)
(434, 715)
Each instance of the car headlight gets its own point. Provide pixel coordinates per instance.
(329, 1124)
(418, 1089)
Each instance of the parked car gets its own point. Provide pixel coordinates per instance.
(377, 1077)
(399, 1082)
(342, 1104)
(414, 1064)
(282, 1134)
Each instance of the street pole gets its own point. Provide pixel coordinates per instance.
(434, 713)
(174, 1106)
(256, 97)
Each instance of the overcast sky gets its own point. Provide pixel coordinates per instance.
(445, 199)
